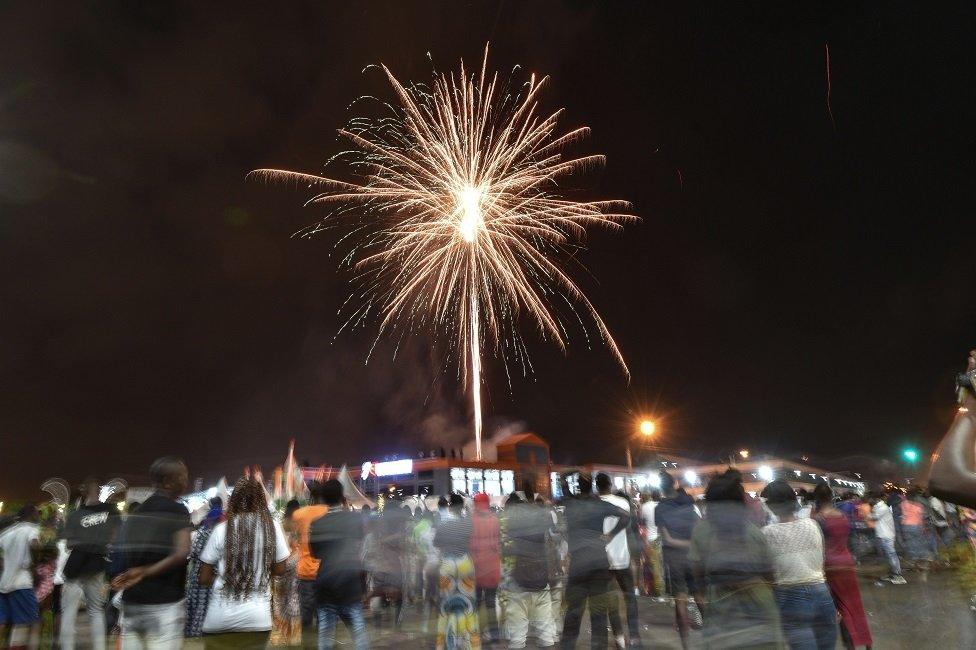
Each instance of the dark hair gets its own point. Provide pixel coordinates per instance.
(780, 497)
(164, 469)
(247, 512)
(726, 505)
(88, 482)
(332, 492)
(442, 503)
(822, 494)
(291, 507)
(315, 492)
(603, 481)
(27, 512)
(585, 482)
(456, 502)
(667, 482)
(726, 487)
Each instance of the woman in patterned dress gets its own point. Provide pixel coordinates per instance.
(457, 620)
(198, 596)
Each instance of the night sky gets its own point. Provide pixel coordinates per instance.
(793, 287)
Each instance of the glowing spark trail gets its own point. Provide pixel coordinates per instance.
(458, 224)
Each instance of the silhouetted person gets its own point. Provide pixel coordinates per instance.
(156, 544)
(589, 568)
(88, 532)
(337, 540)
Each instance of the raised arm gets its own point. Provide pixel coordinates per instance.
(952, 476)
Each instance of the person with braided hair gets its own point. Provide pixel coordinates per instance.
(241, 555)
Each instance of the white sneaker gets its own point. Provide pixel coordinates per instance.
(898, 580)
(621, 641)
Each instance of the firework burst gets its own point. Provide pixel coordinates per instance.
(459, 223)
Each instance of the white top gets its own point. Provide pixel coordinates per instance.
(804, 512)
(15, 544)
(884, 521)
(647, 512)
(797, 550)
(617, 551)
(63, 553)
(251, 614)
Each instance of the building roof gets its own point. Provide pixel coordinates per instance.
(517, 438)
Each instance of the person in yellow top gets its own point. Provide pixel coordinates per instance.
(308, 566)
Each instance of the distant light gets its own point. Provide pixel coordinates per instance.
(765, 473)
(647, 427)
(797, 472)
(691, 477)
(394, 467)
(963, 409)
(911, 455)
(654, 480)
(366, 469)
(744, 453)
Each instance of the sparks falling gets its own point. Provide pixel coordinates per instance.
(459, 223)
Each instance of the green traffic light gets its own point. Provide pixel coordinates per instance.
(910, 455)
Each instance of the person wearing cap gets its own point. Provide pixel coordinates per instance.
(796, 547)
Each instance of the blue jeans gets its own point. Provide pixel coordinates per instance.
(351, 615)
(808, 616)
(886, 547)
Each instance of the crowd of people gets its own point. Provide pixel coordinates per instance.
(774, 570)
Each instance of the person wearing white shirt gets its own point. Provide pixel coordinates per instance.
(240, 557)
(618, 553)
(796, 549)
(18, 605)
(884, 537)
(653, 538)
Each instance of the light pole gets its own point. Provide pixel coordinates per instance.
(646, 428)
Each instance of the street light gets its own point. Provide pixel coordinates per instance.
(744, 453)
(910, 454)
(646, 429)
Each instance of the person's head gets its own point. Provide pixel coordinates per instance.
(249, 542)
(482, 503)
(169, 474)
(802, 496)
(822, 495)
(332, 494)
(216, 503)
(365, 509)
(90, 488)
(667, 484)
(133, 506)
(456, 504)
(781, 498)
(585, 483)
(442, 504)
(315, 492)
(291, 507)
(725, 487)
(603, 483)
(28, 513)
